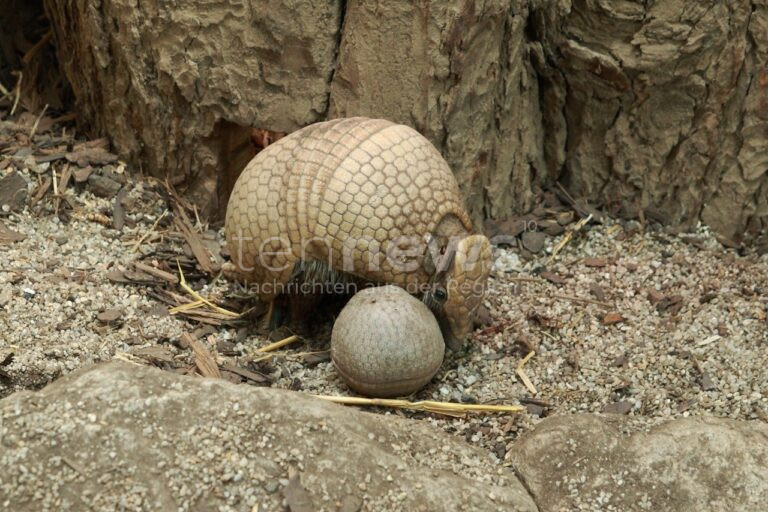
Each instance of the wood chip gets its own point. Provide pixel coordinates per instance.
(82, 174)
(118, 210)
(533, 241)
(707, 384)
(155, 354)
(535, 409)
(110, 315)
(5, 296)
(612, 318)
(117, 276)
(84, 156)
(553, 278)
(620, 361)
(158, 310)
(246, 374)
(654, 296)
(66, 175)
(595, 262)
(196, 244)
(13, 191)
(204, 360)
(670, 304)
(41, 159)
(317, 358)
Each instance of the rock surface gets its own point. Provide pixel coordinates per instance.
(119, 435)
(585, 462)
(124, 436)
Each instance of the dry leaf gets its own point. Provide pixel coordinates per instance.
(612, 318)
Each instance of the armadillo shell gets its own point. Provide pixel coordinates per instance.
(339, 191)
(386, 343)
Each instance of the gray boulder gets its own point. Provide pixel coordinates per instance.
(123, 437)
(586, 462)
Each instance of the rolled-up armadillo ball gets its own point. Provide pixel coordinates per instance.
(386, 343)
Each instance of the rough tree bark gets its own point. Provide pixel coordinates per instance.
(657, 108)
(666, 113)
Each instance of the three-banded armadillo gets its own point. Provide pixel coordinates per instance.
(361, 197)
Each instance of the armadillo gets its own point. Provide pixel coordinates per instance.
(365, 198)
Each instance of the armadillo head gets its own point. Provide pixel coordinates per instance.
(459, 287)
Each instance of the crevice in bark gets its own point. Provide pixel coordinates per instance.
(336, 55)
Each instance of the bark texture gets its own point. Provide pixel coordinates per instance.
(655, 109)
(666, 113)
(174, 85)
(458, 72)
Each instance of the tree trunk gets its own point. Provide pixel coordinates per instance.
(657, 110)
(664, 114)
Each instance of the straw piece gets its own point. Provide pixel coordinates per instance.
(447, 408)
(193, 293)
(279, 344)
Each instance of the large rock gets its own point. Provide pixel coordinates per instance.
(120, 436)
(586, 462)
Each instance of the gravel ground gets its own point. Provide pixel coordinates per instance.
(628, 320)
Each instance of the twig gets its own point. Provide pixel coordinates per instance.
(151, 230)
(156, 272)
(526, 279)
(5, 91)
(567, 237)
(73, 466)
(523, 376)
(448, 408)
(580, 299)
(37, 122)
